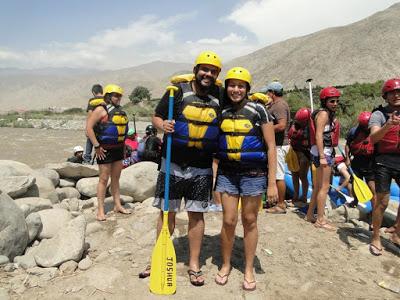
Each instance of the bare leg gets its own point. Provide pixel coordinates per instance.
(281, 193)
(249, 219)
(304, 167)
(171, 222)
(313, 203)
(105, 171)
(377, 216)
(195, 235)
(295, 180)
(116, 168)
(325, 178)
(230, 218)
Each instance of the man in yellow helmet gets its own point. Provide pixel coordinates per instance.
(194, 132)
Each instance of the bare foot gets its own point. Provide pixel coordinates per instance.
(390, 229)
(310, 219)
(122, 210)
(395, 239)
(101, 217)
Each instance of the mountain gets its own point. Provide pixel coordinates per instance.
(44, 88)
(365, 51)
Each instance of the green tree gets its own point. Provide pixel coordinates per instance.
(139, 94)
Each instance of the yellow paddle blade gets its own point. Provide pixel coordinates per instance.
(163, 263)
(361, 190)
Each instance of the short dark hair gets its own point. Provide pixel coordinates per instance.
(97, 89)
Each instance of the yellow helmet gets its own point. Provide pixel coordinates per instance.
(113, 88)
(239, 73)
(209, 58)
(260, 97)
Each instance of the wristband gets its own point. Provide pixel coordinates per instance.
(97, 146)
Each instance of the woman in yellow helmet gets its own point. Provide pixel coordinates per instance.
(107, 128)
(247, 157)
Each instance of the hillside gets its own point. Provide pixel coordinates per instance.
(365, 51)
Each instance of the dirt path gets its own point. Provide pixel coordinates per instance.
(306, 263)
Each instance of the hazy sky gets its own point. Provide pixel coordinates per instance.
(124, 33)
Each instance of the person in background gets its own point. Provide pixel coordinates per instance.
(340, 169)
(131, 145)
(247, 162)
(149, 148)
(298, 136)
(384, 125)
(324, 137)
(280, 111)
(97, 91)
(78, 155)
(360, 148)
(107, 127)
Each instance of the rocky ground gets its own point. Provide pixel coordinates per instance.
(294, 261)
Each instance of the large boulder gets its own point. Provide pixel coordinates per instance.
(53, 221)
(67, 192)
(49, 174)
(33, 204)
(67, 182)
(88, 186)
(139, 180)
(13, 230)
(16, 186)
(14, 168)
(43, 188)
(72, 170)
(68, 244)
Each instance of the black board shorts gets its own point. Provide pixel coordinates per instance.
(112, 155)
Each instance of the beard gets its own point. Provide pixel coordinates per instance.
(201, 82)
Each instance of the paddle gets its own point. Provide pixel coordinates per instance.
(361, 189)
(346, 197)
(163, 259)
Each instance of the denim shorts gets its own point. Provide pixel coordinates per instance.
(329, 159)
(241, 185)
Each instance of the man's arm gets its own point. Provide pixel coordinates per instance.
(281, 125)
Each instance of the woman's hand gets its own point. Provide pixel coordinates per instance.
(168, 126)
(323, 162)
(100, 153)
(272, 193)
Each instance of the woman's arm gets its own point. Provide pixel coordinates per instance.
(269, 138)
(91, 121)
(321, 120)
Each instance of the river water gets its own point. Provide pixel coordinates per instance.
(37, 147)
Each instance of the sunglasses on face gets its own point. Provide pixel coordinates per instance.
(333, 101)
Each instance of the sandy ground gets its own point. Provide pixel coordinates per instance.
(294, 259)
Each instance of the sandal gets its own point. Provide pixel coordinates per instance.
(374, 250)
(196, 276)
(222, 279)
(325, 226)
(276, 210)
(249, 285)
(145, 273)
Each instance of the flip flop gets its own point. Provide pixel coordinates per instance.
(251, 285)
(276, 210)
(196, 275)
(145, 273)
(222, 279)
(123, 211)
(325, 226)
(374, 250)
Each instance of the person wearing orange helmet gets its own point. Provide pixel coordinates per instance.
(324, 133)
(385, 130)
(194, 130)
(298, 137)
(360, 148)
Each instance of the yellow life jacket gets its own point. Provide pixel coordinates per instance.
(94, 102)
(241, 137)
(197, 122)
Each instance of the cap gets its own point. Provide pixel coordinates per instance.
(131, 131)
(274, 86)
(78, 149)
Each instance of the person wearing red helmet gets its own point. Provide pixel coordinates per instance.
(324, 136)
(360, 147)
(298, 139)
(385, 127)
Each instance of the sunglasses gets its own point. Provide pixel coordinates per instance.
(333, 101)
